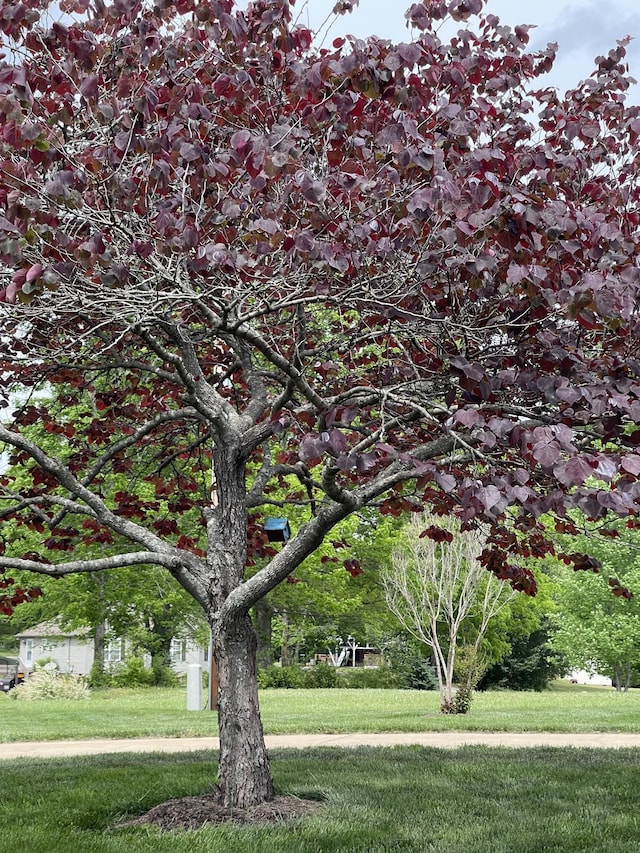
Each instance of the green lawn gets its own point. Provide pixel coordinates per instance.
(396, 800)
(406, 800)
(140, 713)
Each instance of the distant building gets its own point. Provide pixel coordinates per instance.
(72, 650)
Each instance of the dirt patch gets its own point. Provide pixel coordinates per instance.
(206, 810)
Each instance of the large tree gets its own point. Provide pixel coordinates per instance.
(388, 271)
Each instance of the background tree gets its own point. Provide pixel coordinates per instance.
(517, 646)
(390, 271)
(593, 629)
(530, 664)
(440, 592)
(142, 604)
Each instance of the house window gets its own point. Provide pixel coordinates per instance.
(178, 651)
(113, 651)
(28, 650)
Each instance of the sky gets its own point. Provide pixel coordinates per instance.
(583, 29)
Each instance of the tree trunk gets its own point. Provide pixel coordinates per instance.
(451, 659)
(99, 633)
(244, 773)
(617, 674)
(263, 615)
(99, 628)
(284, 650)
(244, 776)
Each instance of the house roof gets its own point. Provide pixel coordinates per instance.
(52, 629)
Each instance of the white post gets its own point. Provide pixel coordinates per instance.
(194, 687)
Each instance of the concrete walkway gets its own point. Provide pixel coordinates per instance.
(442, 740)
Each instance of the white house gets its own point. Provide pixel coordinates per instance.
(73, 650)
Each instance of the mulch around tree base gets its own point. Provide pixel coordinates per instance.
(206, 810)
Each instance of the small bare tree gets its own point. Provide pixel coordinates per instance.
(435, 585)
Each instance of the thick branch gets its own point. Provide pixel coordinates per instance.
(282, 363)
(118, 561)
(35, 504)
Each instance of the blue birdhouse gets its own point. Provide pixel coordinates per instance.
(277, 529)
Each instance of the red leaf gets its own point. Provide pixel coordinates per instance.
(353, 567)
(438, 534)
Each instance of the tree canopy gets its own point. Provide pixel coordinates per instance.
(382, 274)
(591, 628)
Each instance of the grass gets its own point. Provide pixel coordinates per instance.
(146, 713)
(405, 799)
(397, 800)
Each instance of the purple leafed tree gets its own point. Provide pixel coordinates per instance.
(238, 270)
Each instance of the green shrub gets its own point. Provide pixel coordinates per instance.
(48, 663)
(321, 675)
(380, 678)
(132, 673)
(281, 676)
(461, 701)
(420, 675)
(99, 677)
(163, 675)
(51, 685)
(325, 676)
(530, 665)
(411, 667)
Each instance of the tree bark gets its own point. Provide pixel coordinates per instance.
(99, 633)
(284, 651)
(617, 675)
(244, 773)
(263, 615)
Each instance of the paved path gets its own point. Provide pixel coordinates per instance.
(442, 740)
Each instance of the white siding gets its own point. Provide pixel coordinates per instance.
(75, 654)
(194, 654)
(72, 654)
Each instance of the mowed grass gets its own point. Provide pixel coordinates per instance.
(405, 799)
(150, 712)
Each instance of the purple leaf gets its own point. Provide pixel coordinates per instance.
(240, 141)
(631, 464)
(467, 417)
(547, 453)
(89, 88)
(573, 472)
(189, 152)
(446, 482)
